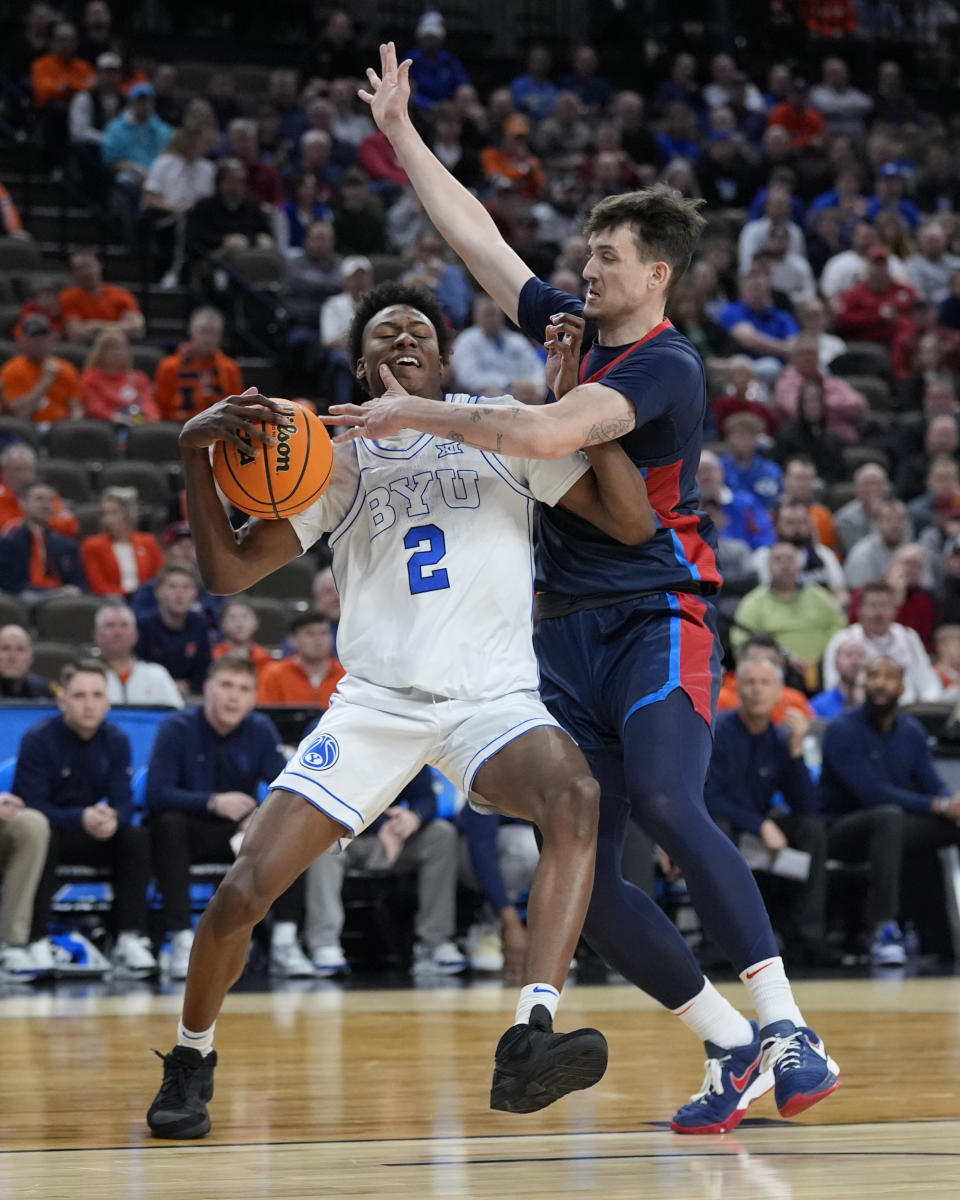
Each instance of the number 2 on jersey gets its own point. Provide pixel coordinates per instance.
(436, 579)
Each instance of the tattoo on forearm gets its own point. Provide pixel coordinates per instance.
(476, 415)
(499, 442)
(453, 436)
(607, 431)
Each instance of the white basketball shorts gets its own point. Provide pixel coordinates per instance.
(372, 740)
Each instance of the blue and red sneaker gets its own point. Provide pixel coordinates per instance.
(803, 1070)
(734, 1079)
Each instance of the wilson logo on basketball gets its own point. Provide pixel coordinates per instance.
(283, 449)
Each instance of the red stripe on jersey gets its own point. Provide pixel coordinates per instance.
(664, 324)
(663, 489)
(696, 654)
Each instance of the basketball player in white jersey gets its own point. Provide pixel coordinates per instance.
(433, 559)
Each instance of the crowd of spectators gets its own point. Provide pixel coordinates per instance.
(824, 300)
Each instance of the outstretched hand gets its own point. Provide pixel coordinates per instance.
(389, 93)
(380, 417)
(564, 337)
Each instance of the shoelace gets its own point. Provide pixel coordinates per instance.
(713, 1080)
(174, 1085)
(778, 1051)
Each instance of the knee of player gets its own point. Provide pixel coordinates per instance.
(241, 900)
(572, 810)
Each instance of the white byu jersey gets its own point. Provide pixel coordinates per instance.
(433, 558)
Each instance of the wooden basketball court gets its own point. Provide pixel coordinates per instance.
(328, 1092)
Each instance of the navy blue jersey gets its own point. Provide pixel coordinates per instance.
(662, 376)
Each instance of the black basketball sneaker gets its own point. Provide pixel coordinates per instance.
(534, 1066)
(179, 1109)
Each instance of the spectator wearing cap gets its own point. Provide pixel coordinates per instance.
(92, 306)
(336, 317)
(514, 161)
(874, 310)
(889, 196)
(434, 70)
(91, 111)
(932, 267)
(35, 562)
(17, 681)
(18, 468)
(308, 676)
(36, 385)
(804, 124)
(132, 142)
(359, 224)
(848, 267)
(118, 560)
(844, 108)
(199, 373)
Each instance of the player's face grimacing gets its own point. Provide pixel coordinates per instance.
(403, 338)
(618, 281)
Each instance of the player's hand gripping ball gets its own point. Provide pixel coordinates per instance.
(286, 476)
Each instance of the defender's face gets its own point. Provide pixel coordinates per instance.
(403, 338)
(617, 281)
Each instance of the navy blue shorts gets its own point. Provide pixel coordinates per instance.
(601, 665)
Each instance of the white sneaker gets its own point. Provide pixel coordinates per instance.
(288, 959)
(41, 952)
(74, 954)
(133, 956)
(484, 948)
(445, 959)
(180, 953)
(16, 963)
(330, 960)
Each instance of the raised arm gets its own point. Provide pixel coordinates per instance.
(229, 563)
(459, 217)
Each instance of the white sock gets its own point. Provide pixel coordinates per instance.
(284, 933)
(196, 1041)
(771, 992)
(714, 1019)
(533, 994)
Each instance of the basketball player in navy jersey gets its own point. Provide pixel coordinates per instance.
(626, 640)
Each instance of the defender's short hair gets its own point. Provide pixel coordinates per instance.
(665, 224)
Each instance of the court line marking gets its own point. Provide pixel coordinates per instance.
(654, 1128)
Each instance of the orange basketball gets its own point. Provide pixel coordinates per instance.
(283, 479)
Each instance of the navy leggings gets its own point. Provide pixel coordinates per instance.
(659, 780)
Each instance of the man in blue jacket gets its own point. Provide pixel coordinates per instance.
(75, 769)
(884, 797)
(759, 784)
(207, 765)
(35, 562)
(177, 636)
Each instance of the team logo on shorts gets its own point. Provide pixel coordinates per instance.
(322, 753)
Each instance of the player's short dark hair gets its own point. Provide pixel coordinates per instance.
(385, 295)
(82, 666)
(665, 224)
(313, 616)
(233, 660)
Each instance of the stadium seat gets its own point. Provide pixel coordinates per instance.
(74, 352)
(71, 479)
(146, 359)
(49, 658)
(9, 316)
(84, 440)
(387, 267)
(68, 619)
(836, 495)
(263, 375)
(7, 293)
(260, 266)
(274, 619)
(13, 612)
(155, 441)
(857, 456)
(19, 256)
(291, 582)
(17, 427)
(877, 391)
(149, 480)
(88, 516)
(863, 358)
